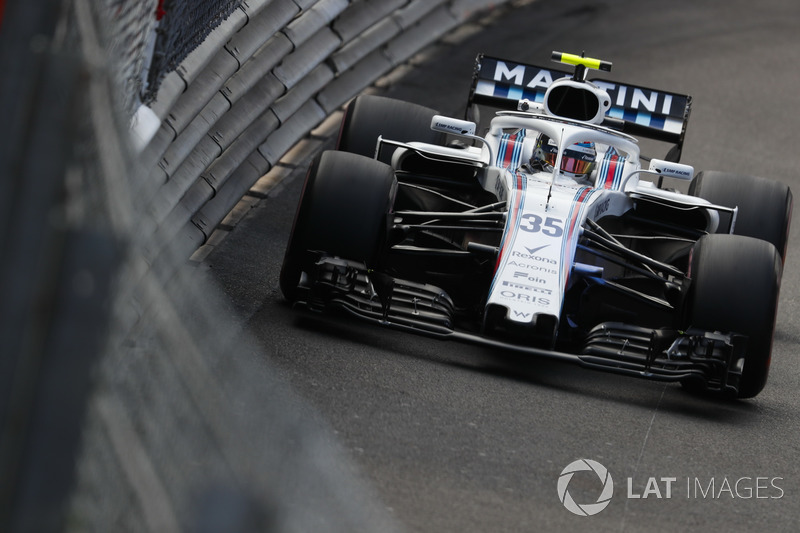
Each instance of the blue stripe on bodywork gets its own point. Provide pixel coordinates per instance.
(579, 203)
(513, 142)
(605, 166)
(517, 203)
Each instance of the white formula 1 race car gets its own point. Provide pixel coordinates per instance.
(551, 234)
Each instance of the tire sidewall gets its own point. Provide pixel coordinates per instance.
(344, 211)
(369, 116)
(764, 205)
(735, 283)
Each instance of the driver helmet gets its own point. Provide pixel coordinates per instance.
(577, 162)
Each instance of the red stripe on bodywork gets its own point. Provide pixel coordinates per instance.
(510, 145)
(512, 216)
(611, 172)
(576, 209)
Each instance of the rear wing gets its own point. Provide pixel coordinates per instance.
(638, 111)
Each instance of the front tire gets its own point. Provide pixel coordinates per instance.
(765, 206)
(343, 211)
(369, 116)
(735, 281)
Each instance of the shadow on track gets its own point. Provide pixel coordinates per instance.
(539, 372)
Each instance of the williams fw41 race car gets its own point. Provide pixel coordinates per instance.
(550, 235)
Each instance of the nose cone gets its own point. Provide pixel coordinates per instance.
(536, 329)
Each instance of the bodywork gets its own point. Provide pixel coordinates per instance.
(484, 248)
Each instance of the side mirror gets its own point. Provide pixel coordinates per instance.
(453, 125)
(671, 170)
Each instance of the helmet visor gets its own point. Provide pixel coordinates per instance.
(570, 163)
(575, 165)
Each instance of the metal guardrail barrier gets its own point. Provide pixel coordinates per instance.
(258, 84)
(99, 362)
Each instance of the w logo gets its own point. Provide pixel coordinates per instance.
(586, 509)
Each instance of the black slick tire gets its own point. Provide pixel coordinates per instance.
(735, 281)
(765, 205)
(368, 116)
(343, 211)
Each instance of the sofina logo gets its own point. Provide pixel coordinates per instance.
(585, 509)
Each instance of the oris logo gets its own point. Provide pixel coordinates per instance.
(527, 298)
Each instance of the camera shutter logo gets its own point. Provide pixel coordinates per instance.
(586, 509)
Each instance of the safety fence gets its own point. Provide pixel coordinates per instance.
(116, 357)
(183, 26)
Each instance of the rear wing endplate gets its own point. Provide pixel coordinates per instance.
(639, 111)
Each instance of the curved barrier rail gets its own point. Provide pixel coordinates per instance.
(260, 82)
(116, 359)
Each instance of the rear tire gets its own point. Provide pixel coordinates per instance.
(343, 211)
(369, 116)
(765, 206)
(734, 288)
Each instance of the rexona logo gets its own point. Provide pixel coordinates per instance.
(603, 499)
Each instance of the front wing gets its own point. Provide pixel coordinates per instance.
(709, 360)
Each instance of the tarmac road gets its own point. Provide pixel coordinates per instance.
(454, 437)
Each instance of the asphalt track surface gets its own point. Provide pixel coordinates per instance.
(454, 437)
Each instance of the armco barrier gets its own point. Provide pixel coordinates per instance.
(170, 427)
(257, 85)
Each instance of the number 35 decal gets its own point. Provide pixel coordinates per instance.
(552, 227)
